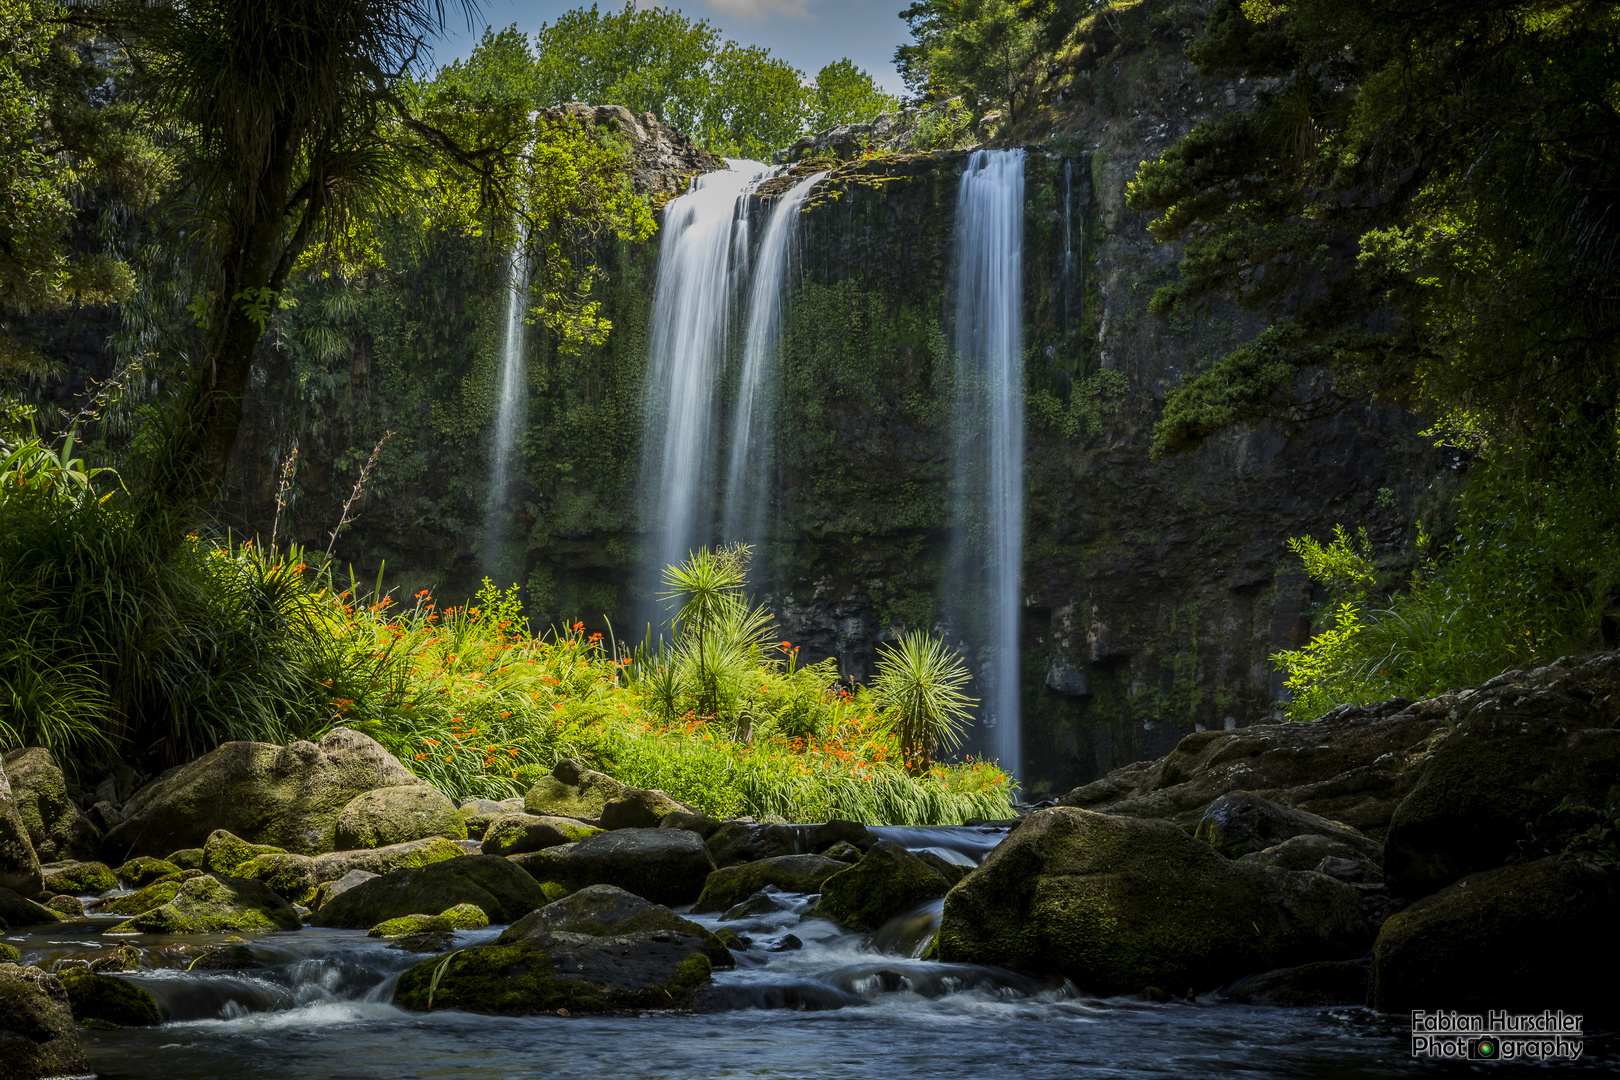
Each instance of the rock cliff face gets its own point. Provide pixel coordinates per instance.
(1154, 591)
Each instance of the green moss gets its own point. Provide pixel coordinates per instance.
(224, 852)
(9, 953)
(288, 876)
(208, 905)
(142, 870)
(884, 884)
(108, 999)
(80, 878)
(193, 858)
(156, 894)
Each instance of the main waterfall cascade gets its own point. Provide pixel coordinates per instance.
(987, 498)
(512, 413)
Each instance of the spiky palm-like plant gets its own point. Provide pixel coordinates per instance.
(718, 631)
(921, 682)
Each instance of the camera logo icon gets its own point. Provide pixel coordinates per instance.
(1484, 1048)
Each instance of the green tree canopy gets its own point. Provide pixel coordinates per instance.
(844, 94)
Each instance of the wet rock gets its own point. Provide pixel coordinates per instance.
(1521, 938)
(765, 902)
(691, 821)
(952, 872)
(829, 834)
(289, 876)
(885, 883)
(289, 796)
(19, 864)
(19, 911)
(328, 889)
(37, 1034)
(608, 911)
(396, 815)
(78, 878)
(665, 866)
(497, 887)
(1308, 853)
(733, 940)
(154, 895)
(227, 956)
(738, 842)
(572, 791)
(844, 852)
(69, 907)
(460, 917)
(790, 873)
(142, 870)
(1241, 822)
(9, 953)
(547, 971)
(639, 809)
(188, 858)
(386, 860)
(476, 814)
(1119, 903)
(224, 852)
(108, 999)
(785, 943)
(1316, 985)
(55, 826)
(516, 834)
(214, 905)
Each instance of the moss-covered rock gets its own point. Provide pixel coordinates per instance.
(887, 882)
(952, 872)
(572, 791)
(665, 866)
(192, 858)
(476, 814)
(1117, 904)
(460, 917)
(1521, 938)
(1241, 822)
(212, 905)
(636, 808)
(289, 876)
(396, 815)
(738, 842)
(517, 834)
(55, 826)
(142, 870)
(108, 999)
(830, 833)
(156, 894)
(385, 860)
(289, 796)
(37, 1034)
(608, 911)
(498, 887)
(78, 878)
(19, 863)
(1319, 853)
(555, 971)
(790, 873)
(19, 911)
(1316, 985)
(224, 852)
(844, 852)
(69, 907)
(9, 953)
(691, 821)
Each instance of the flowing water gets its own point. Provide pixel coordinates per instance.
(988, 491)
(510, 417)
(317, 1005)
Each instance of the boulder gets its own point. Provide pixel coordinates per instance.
(37, 1035)
(214, 905)
(328, 889)
(224, 852)
(142, 870)
(154, 895)
(1519, 746)
(844, 852)
(191, 858)
(19, 911)
(496, 886)
(572, 791)
(608, 911)
(1540, 935)
(738, 842)
(476, 814)
(9, 953)
(952, 872)
(289, 876)
(69, 907)
(665, 866)
(516, 834)
(108, 999)
(691, 821)
(78, 878)
(289, 796)
(19, 863)
(395, 815)
(561, 972)
(1241, 822)
(791, 873)
(1117, 904)
(1317, 985)
(460, 917)
(55, 826)
(1311, 851)
(385, 860)
(636, 808)
(887, 882)
(819, 838)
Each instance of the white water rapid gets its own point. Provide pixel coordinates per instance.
(512, 413)
(988, 495)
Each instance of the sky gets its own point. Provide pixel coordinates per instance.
(805, 33)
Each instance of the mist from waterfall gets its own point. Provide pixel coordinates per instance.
(751, 466)
(511, 413)
(987, 503)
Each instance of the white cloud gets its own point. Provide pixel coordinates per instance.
(763, 9)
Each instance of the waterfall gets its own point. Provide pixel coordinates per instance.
(1068, 239)
(988, 492)
(511, 414)
(701, 260)
(750, 472)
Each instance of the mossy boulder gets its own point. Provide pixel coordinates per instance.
(154, 895)
(952, 872)
(516, 834)
(55, 826)
(844, 852)
(385, 860)
(108, 999)
(289, 876)
(1117, 904)
(224, 852)
(834, 831)
(498, 887)
(78, 878)
(1241, 822)
(887, 882)
(1523, 938)
(326, 890)
(665, 866)
(289, 796)
(20, 911)
(1323, 854)
(477, 814)
(790, 873)
(1316, 985)
(551, 972)
(691, 821)
(636, 808)
(396, 815)
(37, 1034)
(9, 953)
(215, 905)
(142, 870)
(19, 863)
(608, 911)
(69, 907)
(738, 842)
(191, 858)
(572, 791)
(460, 917)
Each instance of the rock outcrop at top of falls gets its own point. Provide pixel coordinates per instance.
(662, 158)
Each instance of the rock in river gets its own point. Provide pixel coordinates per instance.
(665, 866)
(37, 1036)
(498, 887)
(885, 883)
(790, 873)
(396, 815)
(213, 905)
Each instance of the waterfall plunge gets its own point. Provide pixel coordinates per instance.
(511, 413)
(988, 496)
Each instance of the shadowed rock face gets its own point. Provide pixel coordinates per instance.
(498, 887)
(608, 911)
(37, 1036)
(58, 831)
(665, 866)
(19, 864)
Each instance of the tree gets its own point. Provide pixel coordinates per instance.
(927, 20)
(921, 683)
(844, 94)
(988, 54)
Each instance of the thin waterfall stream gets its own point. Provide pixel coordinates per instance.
(511, 414)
